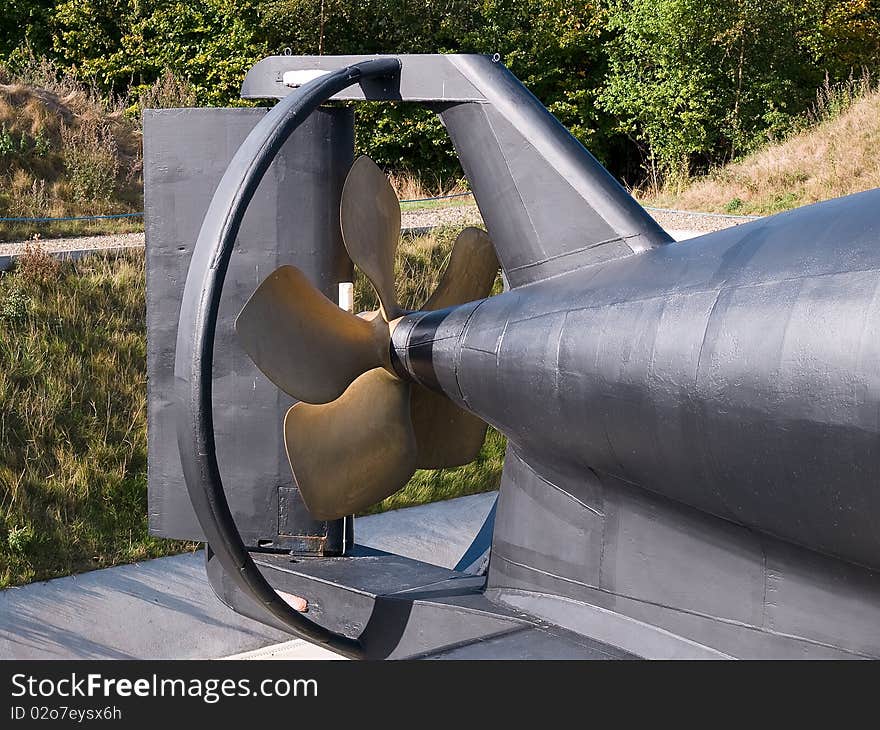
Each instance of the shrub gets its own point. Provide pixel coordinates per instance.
(14, 306)
(38, 267)
(91, 160)
(168, 92)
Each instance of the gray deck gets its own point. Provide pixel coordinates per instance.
(165, 609)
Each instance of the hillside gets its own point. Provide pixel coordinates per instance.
(64, 152)
(73, 436)
(835, 157)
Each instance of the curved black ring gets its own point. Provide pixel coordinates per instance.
(194, 355)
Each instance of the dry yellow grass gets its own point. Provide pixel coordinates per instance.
(65, 152)
(835, 157)
(413, 186)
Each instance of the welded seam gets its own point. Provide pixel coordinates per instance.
(522, 203)
(504, 592)
(544, 479)
(456, 360)
(558, 368)
(726, 286)
(470, 642)
(573, 252)
(707, 452)
(686, 611)
(766, 580)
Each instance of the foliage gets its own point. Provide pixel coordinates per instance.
(671, 86)
(25, 22)
(834, 153)
(552, 45)
(72, 417)
(126, 45)
(694, 82)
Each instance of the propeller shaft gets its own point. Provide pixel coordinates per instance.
(421, 339)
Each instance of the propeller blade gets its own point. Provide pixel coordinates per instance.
(370, 219)
(446, 435)
(470, 273)
(355, 451)
(303, 342)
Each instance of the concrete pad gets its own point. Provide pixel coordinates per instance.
(296, 649)
(682, 235)
(437, 533)
(158, 609)
(165, 609)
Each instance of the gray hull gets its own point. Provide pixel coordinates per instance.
(736, 373)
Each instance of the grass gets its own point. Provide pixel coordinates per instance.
(73, 482)
(36, 232)
(64, 151)
(420, 263)
(833, 153)
(72, 417)
(418, 267)
(414, 186)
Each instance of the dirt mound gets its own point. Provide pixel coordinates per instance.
(65, 152)
(835, 157)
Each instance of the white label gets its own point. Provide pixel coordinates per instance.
(298, 78)
(346, 296)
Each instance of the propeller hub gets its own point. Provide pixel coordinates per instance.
(372, 409)
(417, 336)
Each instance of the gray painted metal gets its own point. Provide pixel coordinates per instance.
(399, 608)
(422, 78)
(734, 373)
(196, 337)
(693, 429)
(186, 153)
(548, 205)
(647, 574)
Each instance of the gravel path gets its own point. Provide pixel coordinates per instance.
(81, 243)
(459, 215)
(681, 220)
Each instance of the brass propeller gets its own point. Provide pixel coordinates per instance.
(447, 435)
(370, 217)
(355, 451)
(361, 431)
(287, 314)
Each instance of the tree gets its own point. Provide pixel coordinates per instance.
(126, 45)
(554, 46)
(694, 82)
(25, 22)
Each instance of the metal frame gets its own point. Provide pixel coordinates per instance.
(193, 366)
(717, 498)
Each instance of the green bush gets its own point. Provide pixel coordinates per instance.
(670, 86)
(91, 161)
(696, 83)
